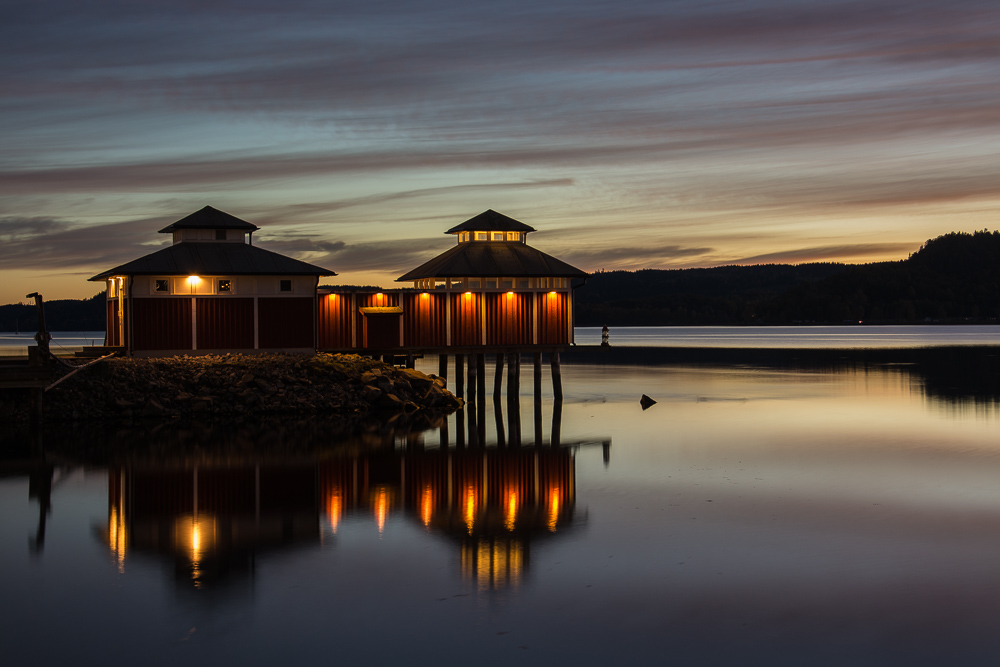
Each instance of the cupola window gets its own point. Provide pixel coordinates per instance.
(482, 236)
(498, 236)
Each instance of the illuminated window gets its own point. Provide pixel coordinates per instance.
(482, 236)
(513, 236)
(498, 236)
(284, 285)
(161, 285)
(225, 285)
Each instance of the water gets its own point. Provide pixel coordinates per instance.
(816, 507)
(17, 343)
(841, 337)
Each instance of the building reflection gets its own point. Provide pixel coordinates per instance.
(212, 518)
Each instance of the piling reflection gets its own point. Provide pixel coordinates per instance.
(213, 516)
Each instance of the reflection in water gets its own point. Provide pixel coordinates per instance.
(213, 515)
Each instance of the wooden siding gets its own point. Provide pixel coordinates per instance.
(367, 300)
(508, 318)
(466, 319)
(224, 323)
(381, 331)
(424, 320)
(112, 334)
(285, 322)
(334, 321)
(162, 323)
(553, 318)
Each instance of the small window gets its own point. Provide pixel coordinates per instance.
(284, 285)
(491, 283)
(513, 236)
(482, 236)
(523, 283)
(498, 236)
(507, 284)
(220, 234)
(161, 285)
(225, 285)
(473, 283)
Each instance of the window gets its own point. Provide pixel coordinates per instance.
(513, 236)
(474, 283)
(507, 283)
(463, 237)
(523, 283)
(225, 285)
(491, 283)
(220, 234)
(482, 236)
(284, 285)
(498, 236)
(161, 285)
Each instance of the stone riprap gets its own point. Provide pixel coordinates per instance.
(244, 385)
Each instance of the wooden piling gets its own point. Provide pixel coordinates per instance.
(473, 382)
(443, 368)
(557, 391)
(481, 376)
(498, 377)
(460, 375)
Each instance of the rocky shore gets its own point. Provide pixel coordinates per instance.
(240, 385)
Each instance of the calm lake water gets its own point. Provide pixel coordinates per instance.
(778, 507)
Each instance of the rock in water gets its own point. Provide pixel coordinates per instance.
(646, 401)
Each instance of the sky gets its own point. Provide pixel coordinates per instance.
(630, 134)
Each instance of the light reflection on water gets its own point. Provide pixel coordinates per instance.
(814, 511)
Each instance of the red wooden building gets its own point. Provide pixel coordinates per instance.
(210, 291)
(213, 291)
(491, 290)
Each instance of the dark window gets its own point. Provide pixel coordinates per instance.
(161, 285)
(285, 285)
(220, 234)
(225, 286)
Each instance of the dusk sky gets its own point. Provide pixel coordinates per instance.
(630, 134)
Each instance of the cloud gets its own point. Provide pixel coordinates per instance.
(855, 251)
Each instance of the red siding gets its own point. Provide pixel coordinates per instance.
(225, 323)
(365, 300)
(334, 321)
(112, 335)
(466, 319)
(162, 323)
(381, 331)
(553, 318)
(508, 319)
(285, 322)
(424, 321)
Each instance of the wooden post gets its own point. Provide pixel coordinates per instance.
(460, 428)
(459, 375)
(481, 375)
(512, 378)
(473, 377)
(538, 376)
(557, 391)
(498, 418)
(556, 421)
(443, 368)
(498, 378)
(410, 361)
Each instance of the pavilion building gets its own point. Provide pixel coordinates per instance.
(212, 291)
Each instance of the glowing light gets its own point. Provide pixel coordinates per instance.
(468, 294)
(470, 508)
(426, 505)
(193, 280)
(510, 294)
(424, 295)
(552, 293)
(554, 500)
(381, 507)
(511, 516)
(335, 508)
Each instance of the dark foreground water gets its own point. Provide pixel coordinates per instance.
(773, 508)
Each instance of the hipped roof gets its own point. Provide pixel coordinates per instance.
(210, 218)
(493, 259)
(491, 221)
(214, 259)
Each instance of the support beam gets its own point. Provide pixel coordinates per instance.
(460, 375)
(473, 382)
(557, 391)
(443, 368)
(498, 378)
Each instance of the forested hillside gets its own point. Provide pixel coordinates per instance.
(955, 277)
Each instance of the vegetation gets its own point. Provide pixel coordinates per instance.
(955, 277)
(60, 315)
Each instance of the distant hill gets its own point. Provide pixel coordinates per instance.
(955, 277)
(60, 315)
